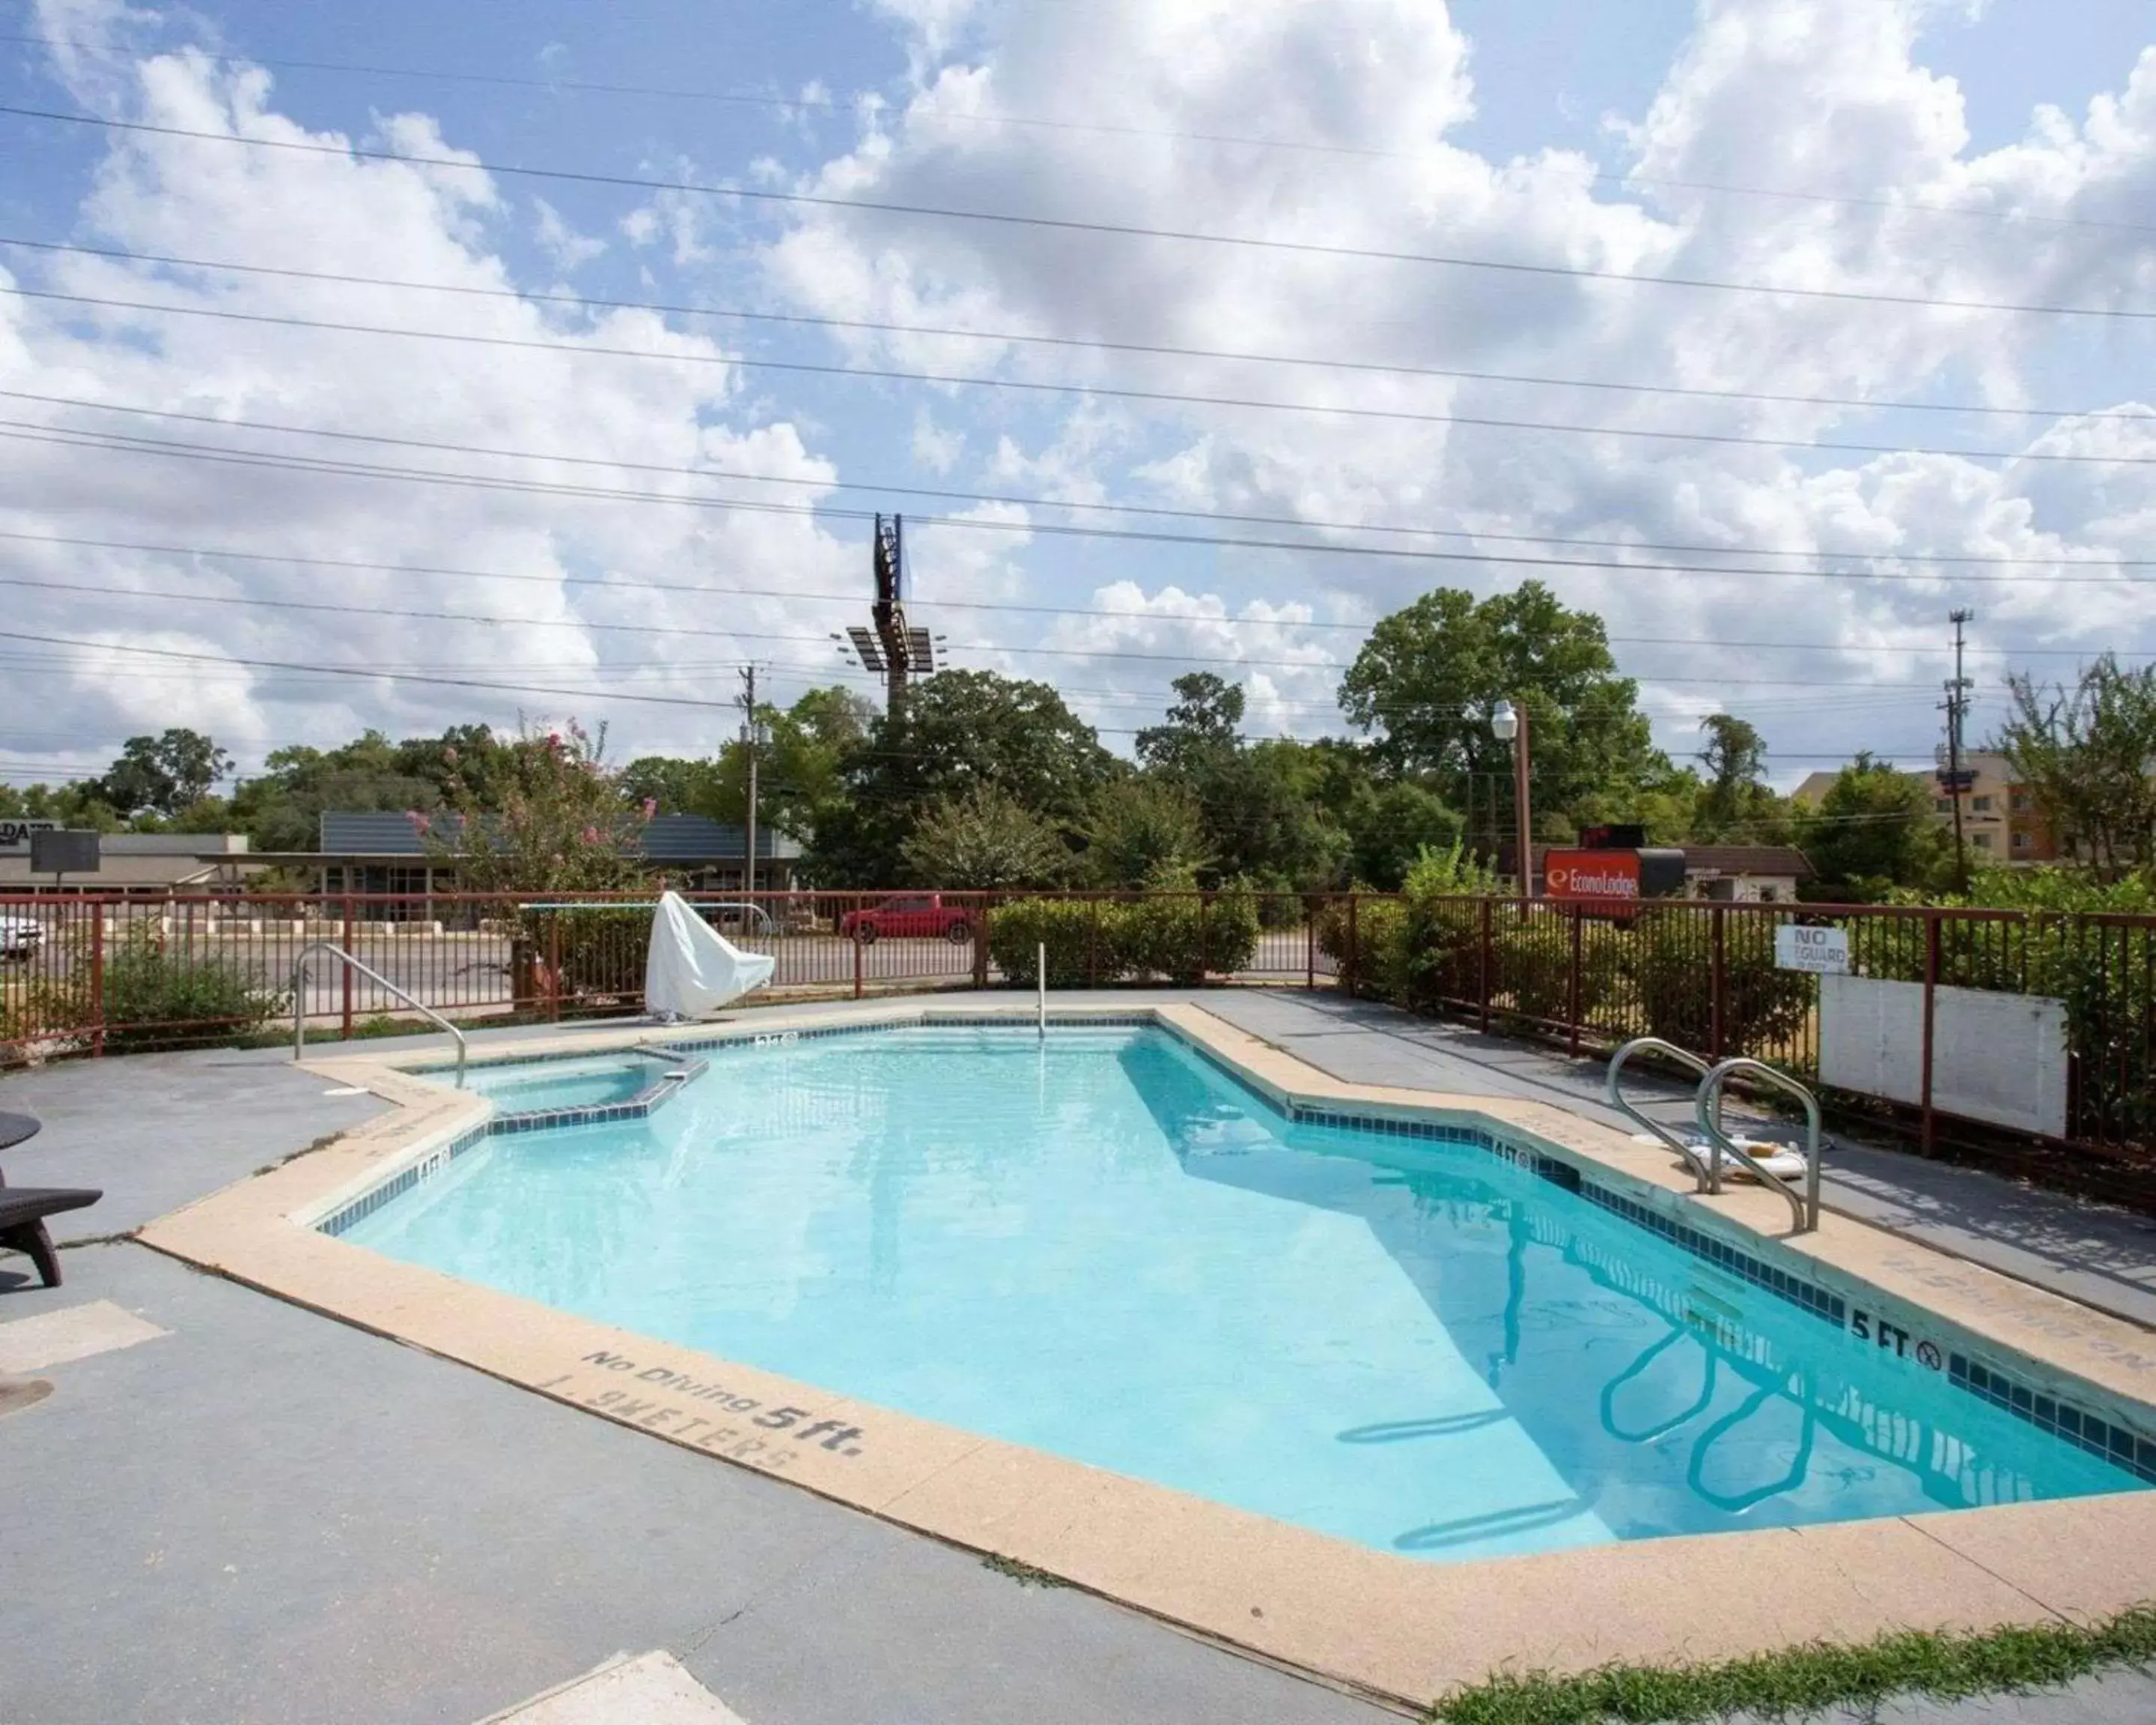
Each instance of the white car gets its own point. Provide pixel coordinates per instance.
(20, 937)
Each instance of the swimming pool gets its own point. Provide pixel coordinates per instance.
(1098, 1245)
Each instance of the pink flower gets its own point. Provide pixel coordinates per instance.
(650, 807)
(450, 754)
(420, 823)
(553, 739)
(591, 835)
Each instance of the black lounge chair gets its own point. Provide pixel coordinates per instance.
(23, 1213)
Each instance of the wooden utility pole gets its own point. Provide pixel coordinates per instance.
(1957, 707)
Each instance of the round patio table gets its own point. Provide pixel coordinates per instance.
(14, 1128)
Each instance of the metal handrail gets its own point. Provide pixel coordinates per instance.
(1709, 1176)
(299, 1000)
(1706, 1108)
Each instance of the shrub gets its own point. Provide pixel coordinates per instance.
(1085, 939)
(1672, 973)
(164, 1000)
(1530, 965)
(600, 952)
(1181, 936)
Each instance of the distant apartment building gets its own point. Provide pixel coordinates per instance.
(1999, 817)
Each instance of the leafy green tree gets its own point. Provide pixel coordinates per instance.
(553, 819)
(1875, 830)
(1204, 723)
(959, 729)
(162, 775)
(1735, 802)
(1429, 678)
(1136, 826)
(1394, 825)
(2086, 754)
(984, 840)
(76, 805)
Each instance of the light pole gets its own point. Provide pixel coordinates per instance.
(1509, 724)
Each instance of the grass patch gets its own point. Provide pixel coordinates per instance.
(1799, 1680)
(1024, 1574)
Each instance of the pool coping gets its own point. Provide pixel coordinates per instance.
(1394, 1627)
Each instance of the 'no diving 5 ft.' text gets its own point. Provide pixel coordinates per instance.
(755, 1433)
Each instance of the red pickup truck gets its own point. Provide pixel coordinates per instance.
(910, 915)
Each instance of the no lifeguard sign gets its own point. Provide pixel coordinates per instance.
(1822, 951)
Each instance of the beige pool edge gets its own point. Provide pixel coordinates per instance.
(1398, 1628)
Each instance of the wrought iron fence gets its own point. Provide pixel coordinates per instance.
(90, 974)
(1707, 976)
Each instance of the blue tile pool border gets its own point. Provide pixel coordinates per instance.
(1976, 1374)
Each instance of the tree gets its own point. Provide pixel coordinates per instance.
(984, 840)
(1734, 801)
(1428, 678)
(1204, 722)
(1394, 826)
(958, 729)
(554, 820)
(163, 775)
(1137, 826)
(1875, 830)
(2086, 754)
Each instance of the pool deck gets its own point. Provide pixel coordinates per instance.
(389, 1535)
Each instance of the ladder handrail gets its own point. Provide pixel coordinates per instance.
(299, 1000)
(1613, 1092)
(1706, 1108)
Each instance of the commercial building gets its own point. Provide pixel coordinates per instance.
(135, 864)
(386, 853)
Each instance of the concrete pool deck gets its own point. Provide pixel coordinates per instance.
(1403, 1629)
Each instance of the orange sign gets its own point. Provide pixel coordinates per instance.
(1591, 874)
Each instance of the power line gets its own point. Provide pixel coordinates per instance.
(789, 105)
(1111, 392)
(650, 628)
(43, 431)
(1044, 386)
(754, 194)
(1087, 344)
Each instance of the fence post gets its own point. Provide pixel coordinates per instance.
(96, 977)
(554, 966)
(1093, 945)
(1354, 952)
(1714, 1031)
(858, 989)
(344, 971)
(1482, 979)
(1309, 946)
(1571, 1005)
(1931, 1004)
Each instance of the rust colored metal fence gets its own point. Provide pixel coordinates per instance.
(91, 973)
(1707, 977)
(85, 973)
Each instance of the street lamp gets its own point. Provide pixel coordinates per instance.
(1509, 724)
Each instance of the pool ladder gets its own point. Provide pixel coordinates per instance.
(349, 962)
(1803, 1197)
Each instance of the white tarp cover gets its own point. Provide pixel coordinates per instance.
(693, 968)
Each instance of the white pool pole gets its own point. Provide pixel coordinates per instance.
(1040, 976)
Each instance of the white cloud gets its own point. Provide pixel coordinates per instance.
(569, 249)
(1815, 95)
(329, 213)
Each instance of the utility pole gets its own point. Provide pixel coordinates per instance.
(749, 737)
(1957, 707)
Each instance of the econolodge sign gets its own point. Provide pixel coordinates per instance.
(1591, 874)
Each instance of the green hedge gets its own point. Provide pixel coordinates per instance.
(1183, 937)
(177, 1001)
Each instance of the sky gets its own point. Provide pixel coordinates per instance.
(610, 399)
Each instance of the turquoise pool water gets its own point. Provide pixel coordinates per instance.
(1100, 1246)
(539, 1086)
